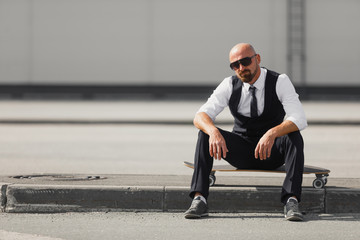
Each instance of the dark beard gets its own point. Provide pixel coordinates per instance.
(246, 76)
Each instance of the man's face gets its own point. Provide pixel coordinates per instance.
(245, 73)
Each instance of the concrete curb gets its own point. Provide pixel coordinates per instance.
(66, 198)
(23, 198)
(3, 199)
(342, 200)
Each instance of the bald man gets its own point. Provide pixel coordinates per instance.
(262, 138)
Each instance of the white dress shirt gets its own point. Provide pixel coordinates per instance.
(284, 90)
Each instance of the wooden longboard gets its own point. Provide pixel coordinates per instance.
(320, 173)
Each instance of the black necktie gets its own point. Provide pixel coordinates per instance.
(253, 103)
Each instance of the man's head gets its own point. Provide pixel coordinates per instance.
(245, 62)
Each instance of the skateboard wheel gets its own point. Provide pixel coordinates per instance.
(318, 183)
(212, 180)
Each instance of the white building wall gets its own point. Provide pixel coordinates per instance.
(15, 42)
(168, 42)
(333, 42)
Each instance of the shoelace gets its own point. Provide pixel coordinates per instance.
(293, 206)
(194, 203)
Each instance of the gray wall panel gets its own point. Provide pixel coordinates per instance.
(168, 42)
(333, 37)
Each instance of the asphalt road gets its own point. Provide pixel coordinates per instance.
(130, 225)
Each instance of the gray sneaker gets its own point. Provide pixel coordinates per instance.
(197, 209)
(291, 211)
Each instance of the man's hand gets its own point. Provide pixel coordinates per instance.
(264, 146)
(217, 145)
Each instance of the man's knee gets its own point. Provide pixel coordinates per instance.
(295, 139)
(202, 134)
(203, 137)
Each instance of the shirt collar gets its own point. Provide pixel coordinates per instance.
(260, 82)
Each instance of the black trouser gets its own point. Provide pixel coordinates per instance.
(288, 149)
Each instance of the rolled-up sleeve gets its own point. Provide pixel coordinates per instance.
(218, 100)
(290, 101)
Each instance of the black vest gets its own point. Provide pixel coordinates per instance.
(272, 115)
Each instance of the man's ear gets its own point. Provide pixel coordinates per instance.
(258, 58)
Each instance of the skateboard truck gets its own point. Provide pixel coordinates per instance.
(212, 178)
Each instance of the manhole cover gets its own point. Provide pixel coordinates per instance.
(59, 177)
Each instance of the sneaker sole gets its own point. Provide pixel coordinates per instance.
(195, 216)
(293, 218)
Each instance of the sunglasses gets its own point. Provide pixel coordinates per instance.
(244, 61)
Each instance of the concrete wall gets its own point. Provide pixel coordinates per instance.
(167, 42)
(333, 42)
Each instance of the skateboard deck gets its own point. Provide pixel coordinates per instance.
(320, 173)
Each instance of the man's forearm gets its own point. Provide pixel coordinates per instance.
(284, 128)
